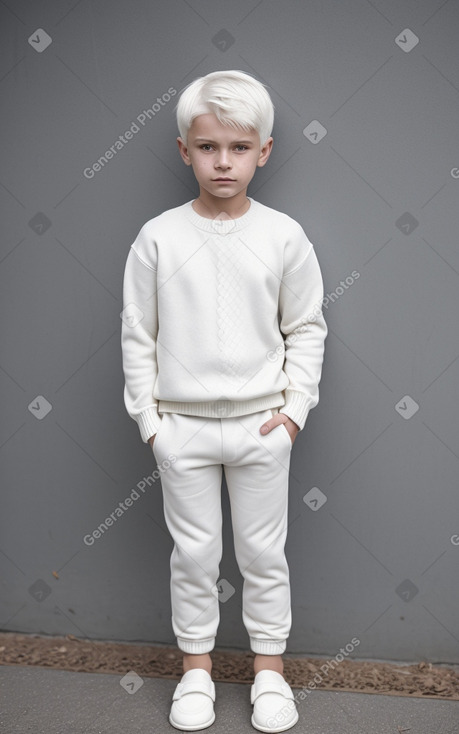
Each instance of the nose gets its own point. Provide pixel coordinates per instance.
(223, 160)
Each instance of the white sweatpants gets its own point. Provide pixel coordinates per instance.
(256, 470)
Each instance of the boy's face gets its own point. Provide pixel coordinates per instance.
(217, 151)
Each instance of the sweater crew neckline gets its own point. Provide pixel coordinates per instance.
(220, 226)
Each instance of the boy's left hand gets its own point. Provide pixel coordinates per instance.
(276, 420)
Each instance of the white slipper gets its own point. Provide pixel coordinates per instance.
(274, 707)
(193, 701)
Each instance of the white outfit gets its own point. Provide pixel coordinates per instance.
(256, 470)
(221, 315)
(222, 326)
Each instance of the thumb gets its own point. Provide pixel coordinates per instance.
(275, 421)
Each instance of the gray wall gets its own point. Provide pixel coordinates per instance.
(376, 195)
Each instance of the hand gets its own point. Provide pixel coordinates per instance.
(276, 420)
(151, 440)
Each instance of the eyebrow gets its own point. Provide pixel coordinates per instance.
(208, 140)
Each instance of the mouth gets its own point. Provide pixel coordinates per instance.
(223, 179)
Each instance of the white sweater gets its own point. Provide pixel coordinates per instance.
(221, 317)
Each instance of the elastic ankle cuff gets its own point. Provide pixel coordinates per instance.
(267, 647)
(196, 647)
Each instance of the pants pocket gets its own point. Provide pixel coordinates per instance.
(288, 434)
(282, 428)
(158, 435)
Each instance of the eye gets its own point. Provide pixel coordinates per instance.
(205, 145)
(242, 146)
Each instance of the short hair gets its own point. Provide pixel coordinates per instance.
(235, 97)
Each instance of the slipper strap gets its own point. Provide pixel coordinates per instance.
(258, 688)
(194, 686)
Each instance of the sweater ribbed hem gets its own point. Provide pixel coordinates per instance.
(223, 408)
(196, 647)
(267, 647)
(221, 224)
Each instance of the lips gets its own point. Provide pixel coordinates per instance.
(223, 179)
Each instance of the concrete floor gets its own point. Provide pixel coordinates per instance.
(47, 701)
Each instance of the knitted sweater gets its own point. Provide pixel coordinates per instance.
(221, 317)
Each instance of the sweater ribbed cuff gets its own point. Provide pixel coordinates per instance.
(148, 422)
(297, 406)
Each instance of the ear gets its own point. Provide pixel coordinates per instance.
(184, 151)
(265, 152)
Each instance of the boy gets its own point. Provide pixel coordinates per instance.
(222, 341)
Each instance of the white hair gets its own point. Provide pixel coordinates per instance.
(236, 98)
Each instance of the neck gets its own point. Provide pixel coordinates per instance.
(211, 207)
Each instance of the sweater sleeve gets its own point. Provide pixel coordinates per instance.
(303, 324)
(139, 328)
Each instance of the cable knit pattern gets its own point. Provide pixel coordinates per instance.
(229, 264)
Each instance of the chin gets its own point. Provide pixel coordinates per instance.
(222, 194)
